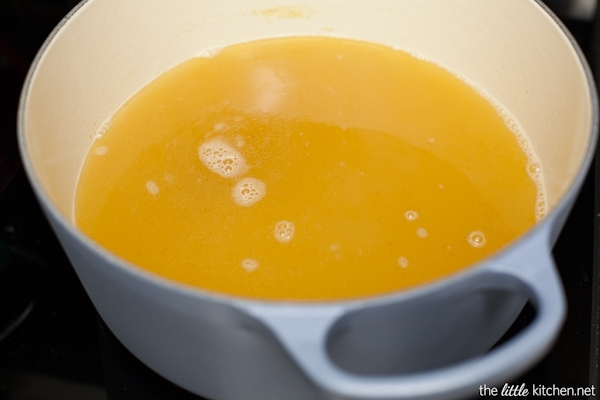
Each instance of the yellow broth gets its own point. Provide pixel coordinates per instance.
(307, 168)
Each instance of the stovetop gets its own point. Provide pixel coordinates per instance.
(53, 344)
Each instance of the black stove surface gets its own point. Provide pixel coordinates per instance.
(53, 344)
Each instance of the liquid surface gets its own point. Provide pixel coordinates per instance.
(307, 169)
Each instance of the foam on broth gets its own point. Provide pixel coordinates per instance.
(308, 168)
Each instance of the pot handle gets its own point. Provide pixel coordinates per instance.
(304, 335)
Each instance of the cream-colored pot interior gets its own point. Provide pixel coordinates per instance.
(109, 55)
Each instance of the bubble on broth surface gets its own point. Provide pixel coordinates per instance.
(101, 150)
(476, 239)
(209, 53)
(248, 191)
(411, 215)
(534, 167)
(222, 159)
(102, 130)
(403, 262)
(240, 141)
(152, 188)
(219, 126)
(250, 264)
(284, 231)
(422, 233)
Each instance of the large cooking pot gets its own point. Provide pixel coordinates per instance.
(430, 342)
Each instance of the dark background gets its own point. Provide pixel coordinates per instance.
(53, 345)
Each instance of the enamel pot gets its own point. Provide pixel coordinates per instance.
(429, 342)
